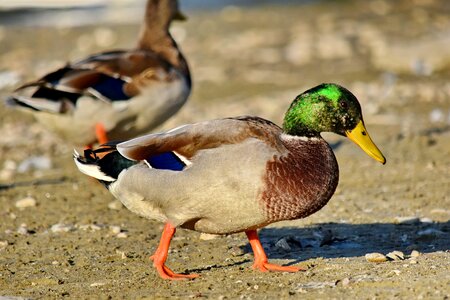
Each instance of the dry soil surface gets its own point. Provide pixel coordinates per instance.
(70, 239)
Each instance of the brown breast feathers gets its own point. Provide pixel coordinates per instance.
(300, 182)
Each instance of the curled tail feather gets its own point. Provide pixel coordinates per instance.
(104, 163)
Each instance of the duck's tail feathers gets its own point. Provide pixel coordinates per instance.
(35, 104)
(104, 163)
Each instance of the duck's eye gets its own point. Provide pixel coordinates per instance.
(343, 104)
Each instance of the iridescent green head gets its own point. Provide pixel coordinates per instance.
(329, 108)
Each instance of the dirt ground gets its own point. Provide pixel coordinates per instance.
(70, 239)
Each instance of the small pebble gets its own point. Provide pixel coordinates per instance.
(407, 220)
(282, 244)
(413, 262)
(115, 205)
(22, 229)
(415, 253)
(26, 202)
(97, 284)
(345, 281)
(122, 254)
(55, 263)
(208, 236)
(287, 243)
(426, 220)
(375, 257)
(95, 227)
(236, 251)
(395, 255)
(122, 235)
(92, 227)
(396, 272)
(430, 166)
(3, 244)
(115, 229)
(57, 228)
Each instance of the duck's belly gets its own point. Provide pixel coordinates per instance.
(219, 193)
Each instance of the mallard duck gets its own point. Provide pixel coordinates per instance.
(116, 94)
(235, 174)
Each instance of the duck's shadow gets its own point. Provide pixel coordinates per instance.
(332, 240)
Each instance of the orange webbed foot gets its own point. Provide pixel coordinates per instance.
(261, 263)
(166, 273)
(100, 133)
(160, 257)
(266, 266)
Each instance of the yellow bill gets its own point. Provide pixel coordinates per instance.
(360, 137)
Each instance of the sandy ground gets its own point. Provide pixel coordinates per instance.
(75, 241)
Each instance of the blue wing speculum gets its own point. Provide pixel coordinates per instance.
(166, 161)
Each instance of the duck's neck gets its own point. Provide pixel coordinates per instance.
(154, 34)
(300, 132)
(153, 37)
(299, 129)
(304, 118)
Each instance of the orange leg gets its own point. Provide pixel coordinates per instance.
(100, 133)
(160, 256)
(261, 261)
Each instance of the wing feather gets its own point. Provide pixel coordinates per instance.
(108, 76)
(187, 140)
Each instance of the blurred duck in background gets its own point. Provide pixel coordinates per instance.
(116, 94)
